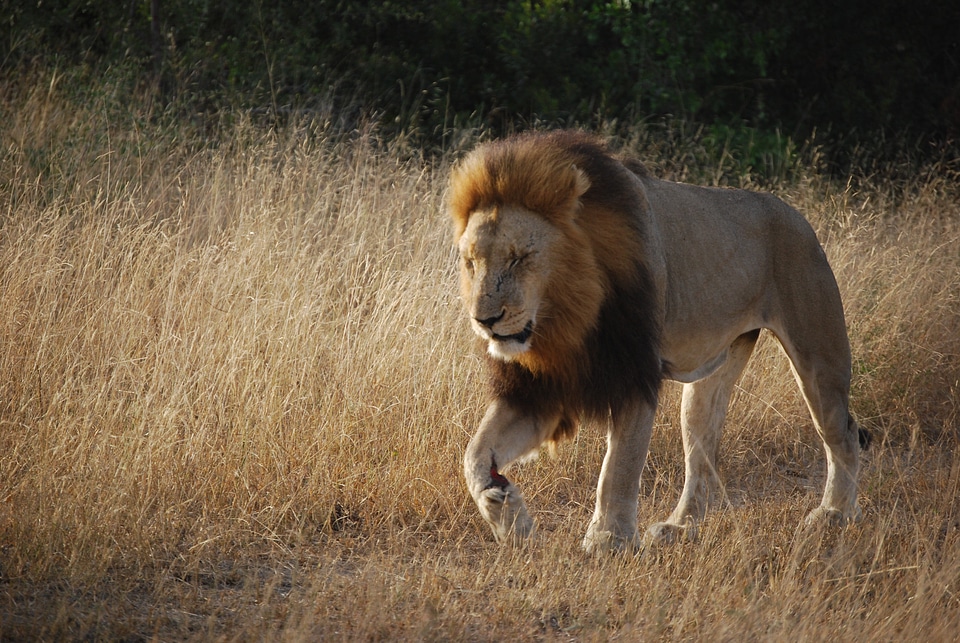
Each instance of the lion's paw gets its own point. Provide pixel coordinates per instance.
(598, 541)
(668, 533)
(831, 517)
(507, 514)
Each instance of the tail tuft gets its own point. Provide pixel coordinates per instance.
(864, 436)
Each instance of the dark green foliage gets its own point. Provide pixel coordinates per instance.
(846, 69)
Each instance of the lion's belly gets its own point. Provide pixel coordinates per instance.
(691, 356)
(686, 375)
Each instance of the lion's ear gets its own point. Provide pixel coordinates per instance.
(581, 182)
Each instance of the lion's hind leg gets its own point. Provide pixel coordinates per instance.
(841, 440)
(702, 413)
(820, 357)
(825, 388)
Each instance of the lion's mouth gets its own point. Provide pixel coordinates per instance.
(520, 338)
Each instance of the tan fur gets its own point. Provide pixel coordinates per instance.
(590, 280)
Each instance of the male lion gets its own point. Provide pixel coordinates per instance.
(590, 281)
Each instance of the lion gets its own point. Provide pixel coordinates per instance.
(590, 281)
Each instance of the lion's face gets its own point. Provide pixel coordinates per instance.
(505, 258)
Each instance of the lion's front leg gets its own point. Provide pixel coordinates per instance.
(614, 523)
(505, 435)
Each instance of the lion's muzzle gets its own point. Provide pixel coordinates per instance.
(506, 347)
(520, 338)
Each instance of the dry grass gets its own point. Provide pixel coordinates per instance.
(235, 387)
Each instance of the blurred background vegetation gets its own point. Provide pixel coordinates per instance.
(881, 73)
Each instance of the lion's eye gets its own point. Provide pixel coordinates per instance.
(468, 264)
(516, 261)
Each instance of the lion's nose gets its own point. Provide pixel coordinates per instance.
(490, 321)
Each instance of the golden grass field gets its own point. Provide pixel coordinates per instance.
(236, 384)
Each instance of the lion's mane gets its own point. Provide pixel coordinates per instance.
(582, 365)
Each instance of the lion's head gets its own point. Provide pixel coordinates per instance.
(508, 255)
(550, 236)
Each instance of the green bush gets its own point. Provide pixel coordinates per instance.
(847, 71)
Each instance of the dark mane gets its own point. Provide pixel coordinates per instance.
(619, 364)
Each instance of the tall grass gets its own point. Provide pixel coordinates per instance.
(235, 387)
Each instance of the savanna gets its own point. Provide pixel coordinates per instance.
(236, 386)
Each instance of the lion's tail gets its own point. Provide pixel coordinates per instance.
(863, 435)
